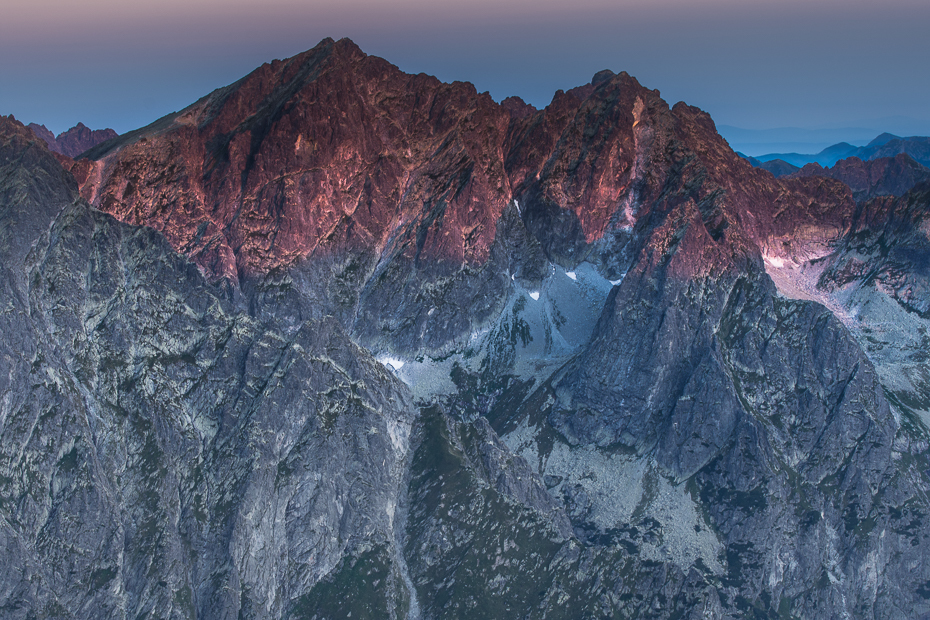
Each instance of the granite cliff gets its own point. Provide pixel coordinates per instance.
(337, 339)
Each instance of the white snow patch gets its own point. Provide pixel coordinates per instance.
(774, 261)
(391, 362)
(535, 295)
(615, 282)
(522, 441)
(571, 274)
(517, 205)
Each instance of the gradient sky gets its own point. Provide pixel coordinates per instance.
(754, 64)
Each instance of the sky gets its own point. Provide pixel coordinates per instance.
(830, 69)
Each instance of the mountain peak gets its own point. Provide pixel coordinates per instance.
(347, 46)
(517, 107)
(883, 139)
(73, 142)
(43, 132)
(602, 76)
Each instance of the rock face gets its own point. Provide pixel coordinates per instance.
(161, 449)
(878, 279)
(327, 152)
(337, 339)
(74, 141)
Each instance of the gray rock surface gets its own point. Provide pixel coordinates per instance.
(165, 454)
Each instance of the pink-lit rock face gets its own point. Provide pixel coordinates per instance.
(885, 176)
(334, 149)
(327, 150)
(74, 141)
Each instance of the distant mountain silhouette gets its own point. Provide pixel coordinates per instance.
(778, 167)
(886, 145)
(882, 140)
(826, 157)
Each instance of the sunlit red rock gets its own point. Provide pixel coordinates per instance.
(74, 141)
(885, 176)
(333, 149)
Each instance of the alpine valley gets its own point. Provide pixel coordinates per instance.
(338, 341)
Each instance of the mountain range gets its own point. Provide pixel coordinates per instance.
(339, 341)
(885, 145)
(883, 176)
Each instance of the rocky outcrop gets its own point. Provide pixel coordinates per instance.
(885, 176)
(73, 142)
(887, 246)
(878, 282)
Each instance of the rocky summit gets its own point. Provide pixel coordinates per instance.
(73, 142)
(338, 341)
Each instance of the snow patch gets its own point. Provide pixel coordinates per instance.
(774, 261)
(391, 362)
(535, 295)
(571, 274)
